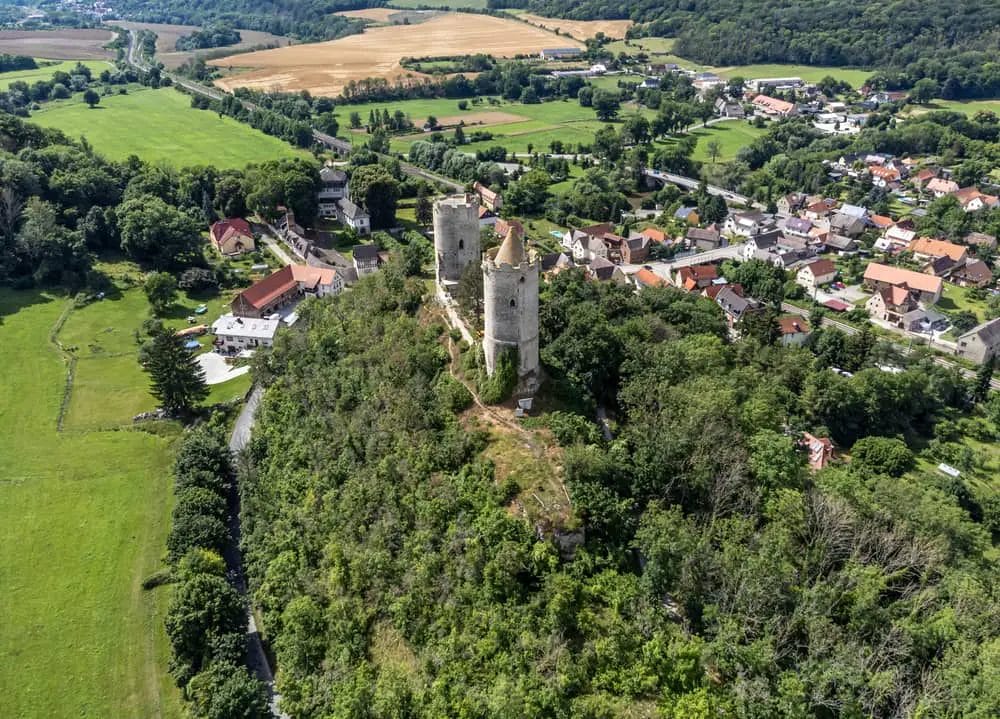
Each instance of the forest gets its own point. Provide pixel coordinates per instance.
(717, 576)
(812, 32)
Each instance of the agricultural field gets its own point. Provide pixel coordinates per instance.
(648, 45)
(856, 78)
(514, 125)
(44, 72)
(325, 68)
(579, 29)
(84, 516)
(168, 35)
(161, 126)
(968, 107)
(444, 4)
(66, 44)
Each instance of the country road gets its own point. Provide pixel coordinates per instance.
(691, 183)
(334, 143)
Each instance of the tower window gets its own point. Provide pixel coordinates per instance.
(521, 280)
(513, 303)
(461, 244)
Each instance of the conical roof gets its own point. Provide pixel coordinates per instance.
(511, 250)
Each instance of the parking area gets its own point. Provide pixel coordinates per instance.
(217, 369)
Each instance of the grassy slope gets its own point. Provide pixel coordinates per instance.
(84, 519)
(731, 136)
(160, 126)
(45, 72)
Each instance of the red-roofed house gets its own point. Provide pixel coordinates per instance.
(881, 221)
(879, 276)
(487, 197)
(972, 200)
(773, 107)
(820, 450)
(695, 277)
(794, 330)
(940, 187)
(883, 176)
(232, 236)
(287, 285)
(645, 277)
(891, 303)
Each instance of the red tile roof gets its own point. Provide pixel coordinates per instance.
(648, 278)
(224, 229)
(793, 325)
(273, 286)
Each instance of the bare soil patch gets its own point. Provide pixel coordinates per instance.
(68, 44)
(325, 68)
(580, 29)
(168, 35)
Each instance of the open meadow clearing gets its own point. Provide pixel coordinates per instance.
(325, 68)
(732, 136)
(809, 73)
(44, 72)
(967, 107)
(168, 35)
(161, 126)
(84, 518)
(579, 29)
(66, 44)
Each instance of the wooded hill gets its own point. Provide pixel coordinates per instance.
(718, 578)
(814, 32)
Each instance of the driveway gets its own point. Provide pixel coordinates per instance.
(217, 370)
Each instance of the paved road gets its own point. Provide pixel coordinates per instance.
(691, 183)
(277, 249)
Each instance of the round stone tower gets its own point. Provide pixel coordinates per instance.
(510, 299)
(456, 237)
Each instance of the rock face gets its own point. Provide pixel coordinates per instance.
(456, 237)
(510, 300)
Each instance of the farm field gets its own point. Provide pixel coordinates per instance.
(513, 125)
(66, 44)
(447, 4)
(325, 68)
(44, 72)
(167, 36)
(968, 107)
(84, 517)
(648, 45)
(856, 78)
(161, 126)
(579, 29)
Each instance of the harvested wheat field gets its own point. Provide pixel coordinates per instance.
(168, 35)
(325, 68)
(68, 44)
(375, 14)
(580, 29)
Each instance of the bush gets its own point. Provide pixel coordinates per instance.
(224, 690)
(198, 279)
(204, 608)
(882, 455)
(498, 388)
(453, 394)
(570, 429)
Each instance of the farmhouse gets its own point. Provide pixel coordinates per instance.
(879, 276)
(232, 236)
(926, 248)
(773, 107)
(980, 343)
(238, 334)
(287, 285)
(889, 304)
(487, 197)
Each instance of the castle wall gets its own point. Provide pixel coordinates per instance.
(456, 236)
(511, 325)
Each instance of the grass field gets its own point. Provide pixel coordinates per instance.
(969, 107)
(648, 45)
(856, 78)
(84, 518)
(161, 126)
(731, 136)
(45, 72)
(449, 4)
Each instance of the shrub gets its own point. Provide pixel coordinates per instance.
(453, 394)
(570, 429)
(498, 388)
(882, 455)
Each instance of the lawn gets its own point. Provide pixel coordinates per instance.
(45, 72)
(84, 517)
(161, 126)
(956, 299)
(648, 45)
(969, 107)
(731, 135)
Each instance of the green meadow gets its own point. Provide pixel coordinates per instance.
(84, 509)
(161, 126)
(809, 73)
(45, 72)
(732, 136)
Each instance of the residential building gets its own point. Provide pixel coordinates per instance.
(815, 274)
(487, 197)
(654, 235)
(705, 239)
(981, 239)
(890, 303)
(333, 187)
(601, 270)
(487, 218)
(848, 225)
(797, 226)
(284, 287)
(884, 176)
(925, 248)
(819, 449)
(727, 108)
(735, 307)
(938, 266)
(555, 262)
(761, 243)
(840, 244)
(974, 273)
(980, 343)
(748, 224)
(881, 222)
(939, 187)
(695, 277)
(366, 259)
(688, 215)
(794, 330)
(819, 208)
(588, 248)
(972, 200)
(350, 215)
(635, 250)
(878, 276)
(645, 277)
(238, 334)
(791, 203)
(232, 236)
(773, 107)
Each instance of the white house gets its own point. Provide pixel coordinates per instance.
(333, 187)
(365, 259)
(236, 334)
(748, 224)
(353, 216)
(819, 272)
(588, 248)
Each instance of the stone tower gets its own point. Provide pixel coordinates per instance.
(510, 294)
(456, 237)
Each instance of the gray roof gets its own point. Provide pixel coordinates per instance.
(797, 224)
(697, 233)
(988, 332)
(351, 210)
(853, 210)
(734, 304)
(365, 252)
(332, 175)
(840, 242)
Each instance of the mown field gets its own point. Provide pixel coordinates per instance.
(84, 517)
(809, 73)
(61, 44)
(517, 125)
(731, 135)
(45, 72)
(968, 107)
(161, 126)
